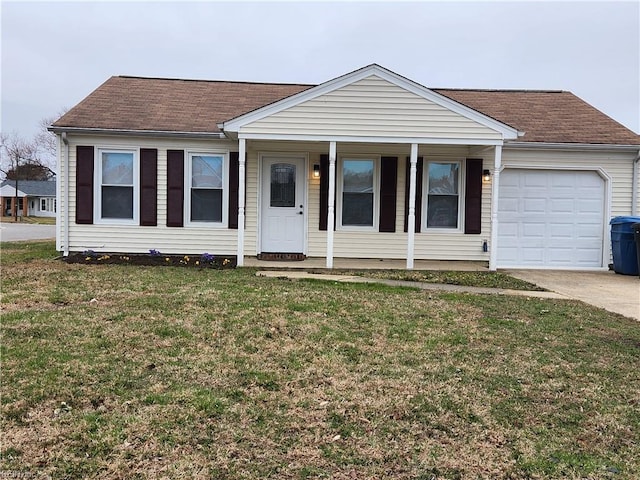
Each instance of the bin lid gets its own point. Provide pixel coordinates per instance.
(618, 220)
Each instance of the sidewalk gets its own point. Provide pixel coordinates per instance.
(296, 275)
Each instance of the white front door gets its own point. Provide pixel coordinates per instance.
(283, 204)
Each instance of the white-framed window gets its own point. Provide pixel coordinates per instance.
(358, 187)
(43, 205)
(117, 196)
(207, 188)
(441, 197)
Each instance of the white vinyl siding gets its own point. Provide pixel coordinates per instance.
(196, 240)
(139, 239)
(370, 107)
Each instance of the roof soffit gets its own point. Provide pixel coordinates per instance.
(233, 126)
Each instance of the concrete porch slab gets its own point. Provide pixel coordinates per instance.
(319, 263)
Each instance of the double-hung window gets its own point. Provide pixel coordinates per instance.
(117, 199)
(207, 182)
(358, 182)
(442, 184)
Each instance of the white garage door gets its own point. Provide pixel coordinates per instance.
(550, 219)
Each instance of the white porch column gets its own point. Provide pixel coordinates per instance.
(331, 203)
(242, 160)
(495, 186)
(411, 219)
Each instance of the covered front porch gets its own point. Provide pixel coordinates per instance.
(391, 171)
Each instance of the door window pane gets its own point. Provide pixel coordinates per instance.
(283, 185)
(357, 192)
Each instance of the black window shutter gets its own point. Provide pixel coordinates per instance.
(234, 185)
(84, 184)
(175, 188)
(473, 197)
(324, 190)
(388, 189)
(149, 187)
(419, 170)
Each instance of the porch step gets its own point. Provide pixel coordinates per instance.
(282, 257)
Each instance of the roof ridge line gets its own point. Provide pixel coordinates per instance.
(214, 81)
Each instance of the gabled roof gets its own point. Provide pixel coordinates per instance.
(129, 104)
(33, 188)
(550, 116)
(170, 105)
(382, 73)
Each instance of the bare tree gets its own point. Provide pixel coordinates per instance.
(35, 159)
(14, 153)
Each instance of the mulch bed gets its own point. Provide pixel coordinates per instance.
(159, 259)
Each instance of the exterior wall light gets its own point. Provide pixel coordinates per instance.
(486, 176)
(316, 171)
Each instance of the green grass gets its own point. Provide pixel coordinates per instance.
(113, 371)
(467, 279)
(34, 220)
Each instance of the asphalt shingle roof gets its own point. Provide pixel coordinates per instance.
(35, 188)
(171, 105)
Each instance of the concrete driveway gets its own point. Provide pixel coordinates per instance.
(11, 232)
(608, 290)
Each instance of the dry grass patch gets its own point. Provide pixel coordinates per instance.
(142, 372)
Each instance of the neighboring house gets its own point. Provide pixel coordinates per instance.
(367, 165)
(35, 198)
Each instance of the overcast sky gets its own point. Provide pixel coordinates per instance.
(56, 53)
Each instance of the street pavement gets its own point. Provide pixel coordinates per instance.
(15, 231)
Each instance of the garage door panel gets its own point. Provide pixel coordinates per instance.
(550, 218)
(534, 205)
(561, 205)
(558, 231)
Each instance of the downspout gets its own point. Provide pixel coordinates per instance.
(65, 160)
(495, 185)
(634, 186)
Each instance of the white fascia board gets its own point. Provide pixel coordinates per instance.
(570, 146)
(234, 125)
(136, 133)
(356, 139)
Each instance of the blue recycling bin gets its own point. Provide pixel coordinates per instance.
(623, 245)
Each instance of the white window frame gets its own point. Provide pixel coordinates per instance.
(425, 195)
(376, 193)
(43, 204)
(225, 188)
(97, 190)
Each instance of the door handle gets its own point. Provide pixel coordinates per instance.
(300, 213)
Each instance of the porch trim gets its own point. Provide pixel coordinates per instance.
(411, 218)
(376, 139)
(242, 160)
(495, 188)
(331, 202)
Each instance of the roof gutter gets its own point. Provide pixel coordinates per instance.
(65, 237)
(139, 133)
(570, 146)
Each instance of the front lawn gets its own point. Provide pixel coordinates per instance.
(116, 371)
